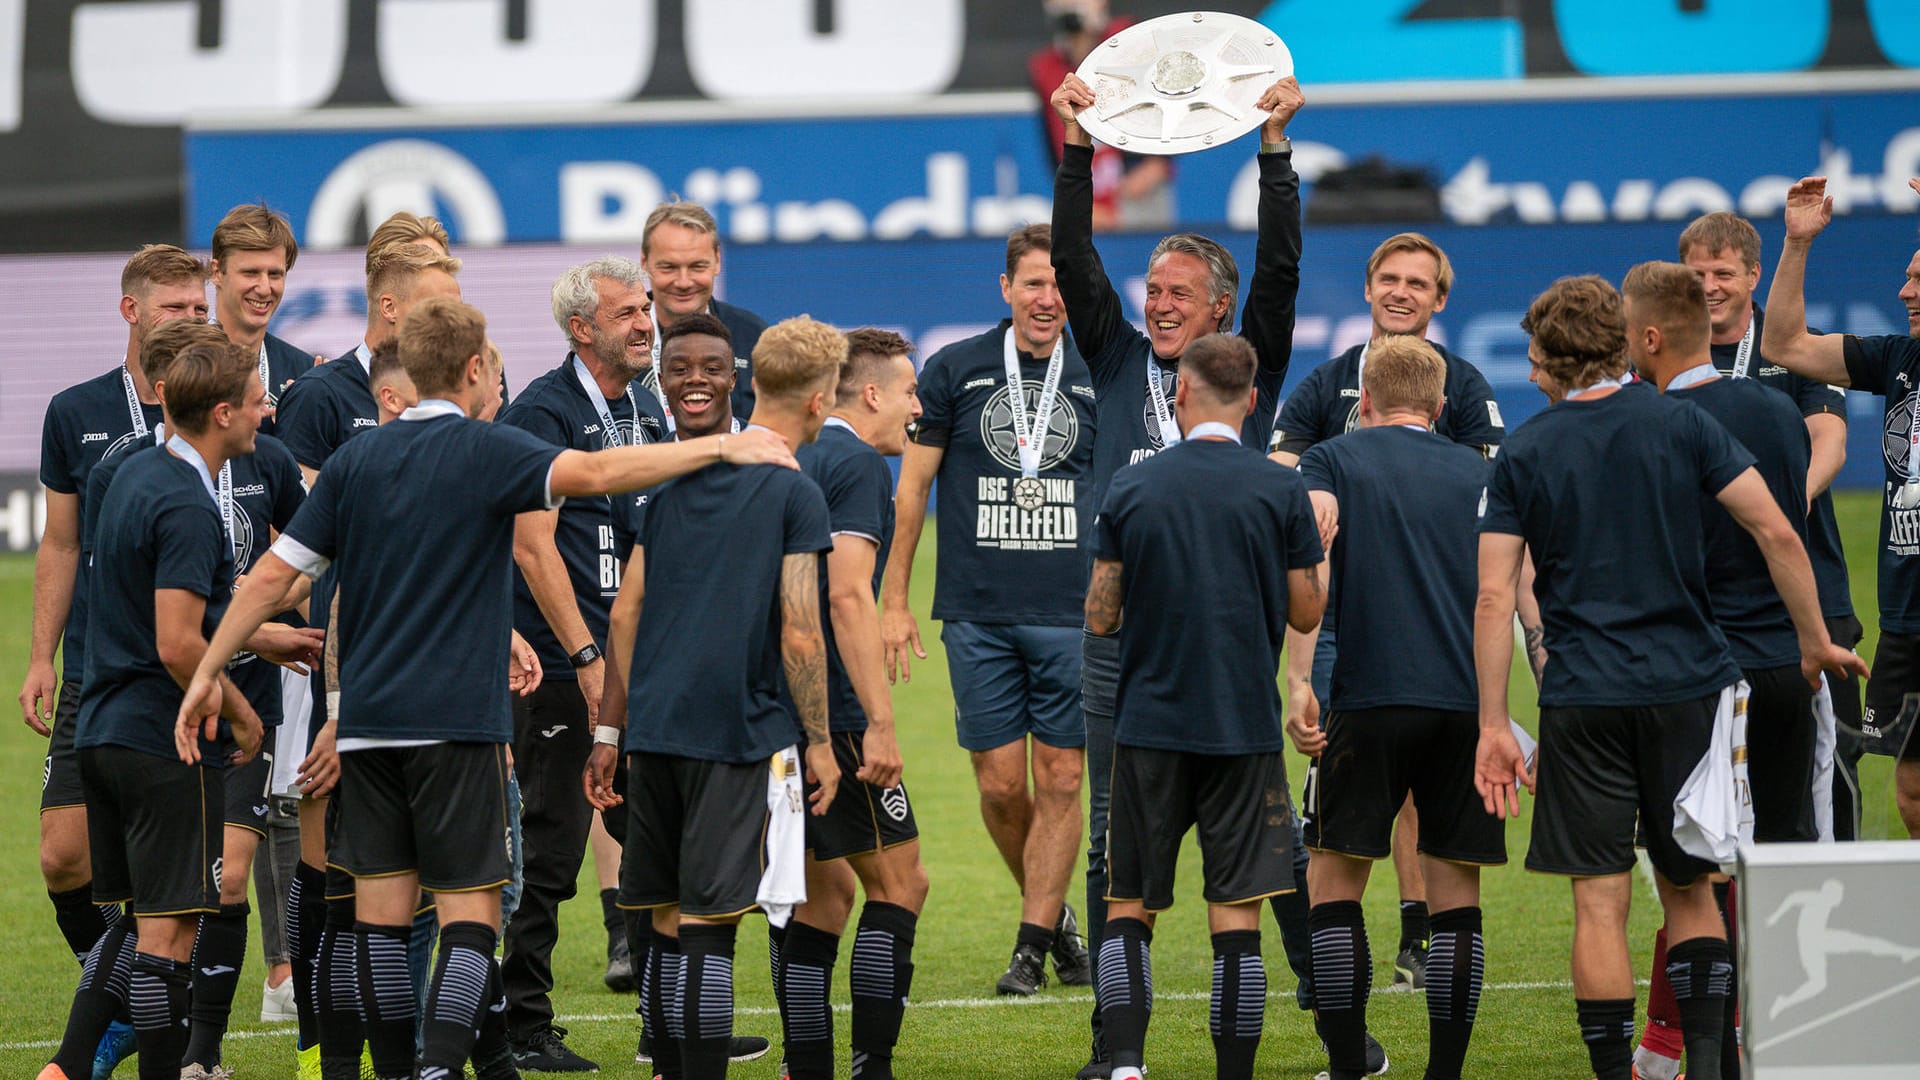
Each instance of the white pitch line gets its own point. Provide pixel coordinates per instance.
(1082, 1000)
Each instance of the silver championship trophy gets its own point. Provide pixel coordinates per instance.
(1181, 83)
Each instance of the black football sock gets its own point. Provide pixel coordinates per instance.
(1701, 970)
(101, 995)
(157, 991)
(343, 1031)
(218, 955)
(637, 928)
(1342, 980)
(1040, 937)
(306, 920)
(1456, 969)
(1239, 1005)
(386, 997)
(806, 973)
(776, 941)
(492, 1053)
(80, 920)
(610, 917)
(1607, 1028)
(1415, 926)
(1126, 990)
(1726, 895)
(706, 999)
(660, 1000)
(458, 997)
(880, 976)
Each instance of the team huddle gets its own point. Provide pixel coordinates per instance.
(655, 601)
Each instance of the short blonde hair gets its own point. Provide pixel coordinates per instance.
(1404, 372)
(159, 264)
(171, 338)
(797, 356)
(437, 339)
(1418, 243)
(687, 215)
(1722, 230)
(406, 227)
(253, 227)
(1671, 297)
(1580, 329)
(392, 269)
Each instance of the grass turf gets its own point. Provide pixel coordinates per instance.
(956, 1027)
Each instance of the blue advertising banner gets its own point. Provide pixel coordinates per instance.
(1532, 159)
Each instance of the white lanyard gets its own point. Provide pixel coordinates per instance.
(134, 410)
(1694, 376)
(1360, 368)
(266, 376)
(1743, 357)
(1913, 443)
(600, 404)
(226, 513)
(1157, 395)
(1030, 431)
(650, 378)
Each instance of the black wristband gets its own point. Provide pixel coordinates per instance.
(587, 655)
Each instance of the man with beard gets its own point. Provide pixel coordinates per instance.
(566, 576)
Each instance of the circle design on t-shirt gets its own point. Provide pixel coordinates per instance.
(242, 538)
(1168, 378)
(1353, 418)
(1896, 442)
(1062, 430)
(125, 441)
(625, 433)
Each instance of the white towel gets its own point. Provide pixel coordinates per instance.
(290, 745)
(1713, 814)
(1825, 738)
(783, 884)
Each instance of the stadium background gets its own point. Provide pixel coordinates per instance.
(863, 157)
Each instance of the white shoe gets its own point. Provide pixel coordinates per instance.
(197, 1071)
(276, 1002)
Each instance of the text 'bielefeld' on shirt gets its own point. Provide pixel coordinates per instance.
(1890, 366)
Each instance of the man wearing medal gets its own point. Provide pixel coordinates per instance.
(253, 250)
(1192, 286)
(680, 251)
(566, 576)
(1887, 365)
(1007, 427)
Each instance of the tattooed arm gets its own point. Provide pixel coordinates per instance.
(1103, 598)
(803, 652)
(1532, 630)
(1306, 597)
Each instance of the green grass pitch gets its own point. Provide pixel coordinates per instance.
(956, 1027)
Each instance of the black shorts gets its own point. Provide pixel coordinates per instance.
(1374, 758)
(862, 818)
(1601, 768)
(153, 829)
(439, 811)
(1896, 673)
(696, 835)
(339, 883)
(1238, 803)
(1780, 733)
(60, 776)
(248, 794)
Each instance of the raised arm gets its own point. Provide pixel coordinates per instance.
(54, 566)
(1267, 320)
(1094, 310)
(856, 635)
(1784, 338)
(803, 653)
(578, 473)
(1750, 502)
(899, 631)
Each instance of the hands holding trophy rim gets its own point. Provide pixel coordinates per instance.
(1181, 83)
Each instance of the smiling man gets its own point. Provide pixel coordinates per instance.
(680, 250)
(1192, 291)
(1008, 432)
(253, 249)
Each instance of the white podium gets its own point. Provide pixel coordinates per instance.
(1830, 960)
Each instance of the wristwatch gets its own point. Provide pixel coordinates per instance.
(587, 655)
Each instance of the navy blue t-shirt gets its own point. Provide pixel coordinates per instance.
(1204, 594)
(1327, 403)
(706, 673)
(858, 486)
(1823, 530)
(1606, 492)
(1890, 366)
(1404, 566)
(745, 328)
(325, 407)
(159, 529)
(1746, 605)
(998, 562)
(555, 407)
(285, 363)
(419, 516)
(84, 423)
(267, 492)
(1117, 352)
